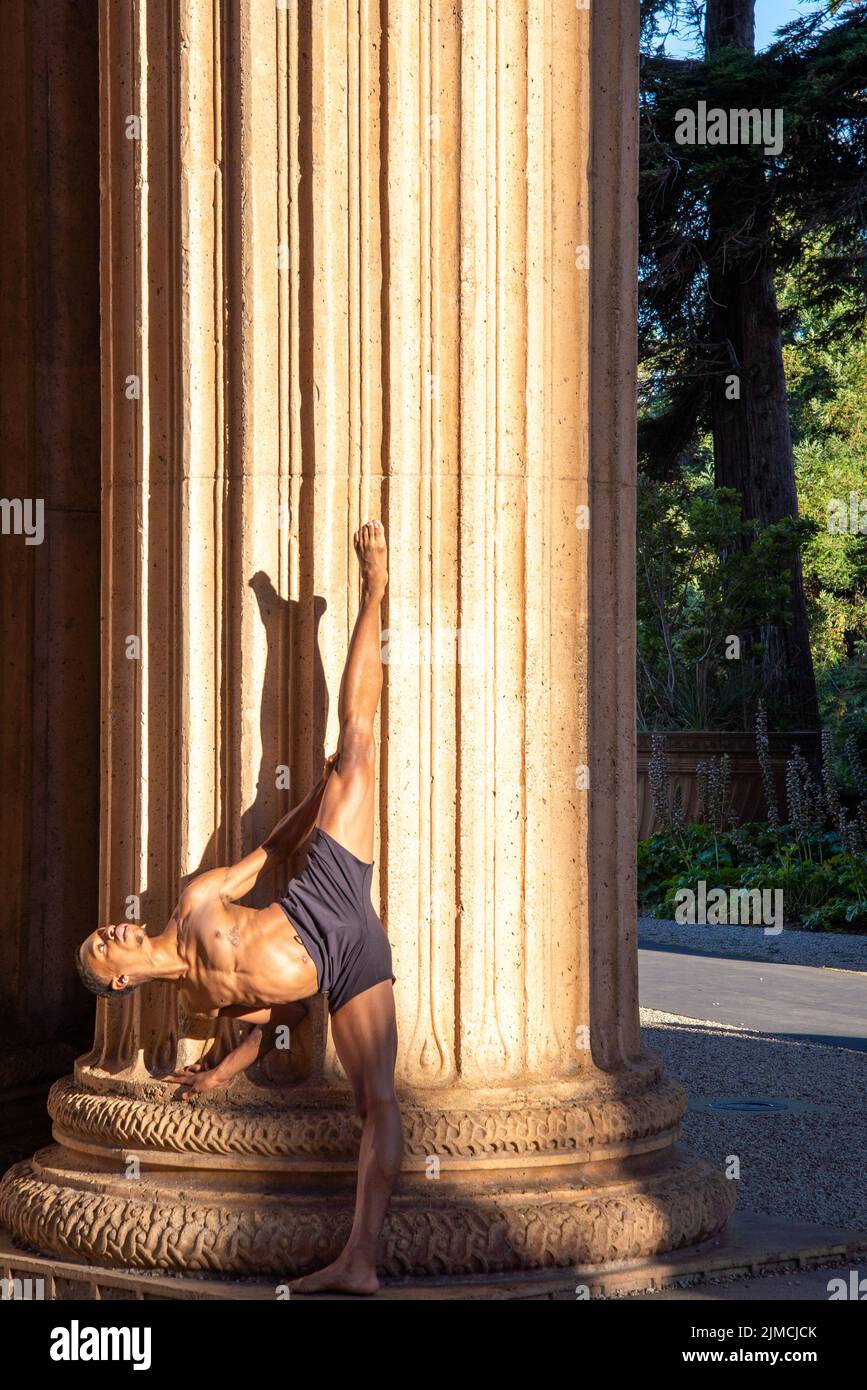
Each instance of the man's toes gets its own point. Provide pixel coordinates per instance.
(370, 538)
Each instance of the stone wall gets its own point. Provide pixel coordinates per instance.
(49, 592)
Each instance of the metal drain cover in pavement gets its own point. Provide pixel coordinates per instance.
(750, 1107)
(753, 1105)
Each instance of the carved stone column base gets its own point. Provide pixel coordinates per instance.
(566, 1174)
(199, 1222)
(594, 1118)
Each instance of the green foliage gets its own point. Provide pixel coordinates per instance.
(801, 211)
(698, 586)
(825, 892)
(843, 704)
(826, 368)
(817, 858)
(765, 206)
(827, 374)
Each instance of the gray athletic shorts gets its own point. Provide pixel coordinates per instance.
(329, 905)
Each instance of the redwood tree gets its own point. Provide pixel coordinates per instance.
(716, 224)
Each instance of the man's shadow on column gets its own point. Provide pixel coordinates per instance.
(292, 644)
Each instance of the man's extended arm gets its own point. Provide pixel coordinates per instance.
(260, 1040)
(293, 829)
(288, 834)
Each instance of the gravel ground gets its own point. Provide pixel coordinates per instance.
(804, 1165)
(841, 951)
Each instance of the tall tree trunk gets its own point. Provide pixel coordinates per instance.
(752, 438)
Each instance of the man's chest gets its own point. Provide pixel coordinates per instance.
(211, 937)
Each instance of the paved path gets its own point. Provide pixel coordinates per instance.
(840, 950)
(796, 1001)
(806, 1286)
(773, 1056)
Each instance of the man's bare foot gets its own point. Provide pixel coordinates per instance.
(370, 547)
(347, 1274)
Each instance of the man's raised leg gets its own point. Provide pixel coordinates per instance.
(346, 813)
(365, 1028)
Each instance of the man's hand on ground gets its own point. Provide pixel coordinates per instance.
(198, 1078)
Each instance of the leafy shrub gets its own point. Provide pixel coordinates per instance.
(704, 575)
(817, 856)
(842, 690)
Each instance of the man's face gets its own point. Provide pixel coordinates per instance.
(117, 954)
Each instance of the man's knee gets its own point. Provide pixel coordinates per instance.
(357, 746)
(379, 1103)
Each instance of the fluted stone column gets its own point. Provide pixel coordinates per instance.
(357, 269)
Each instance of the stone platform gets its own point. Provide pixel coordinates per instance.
(750, 1245)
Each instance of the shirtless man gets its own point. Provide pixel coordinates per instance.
(323, 935)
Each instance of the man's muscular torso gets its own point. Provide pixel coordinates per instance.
(237, 955)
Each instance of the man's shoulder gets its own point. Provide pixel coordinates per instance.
(202, 892)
